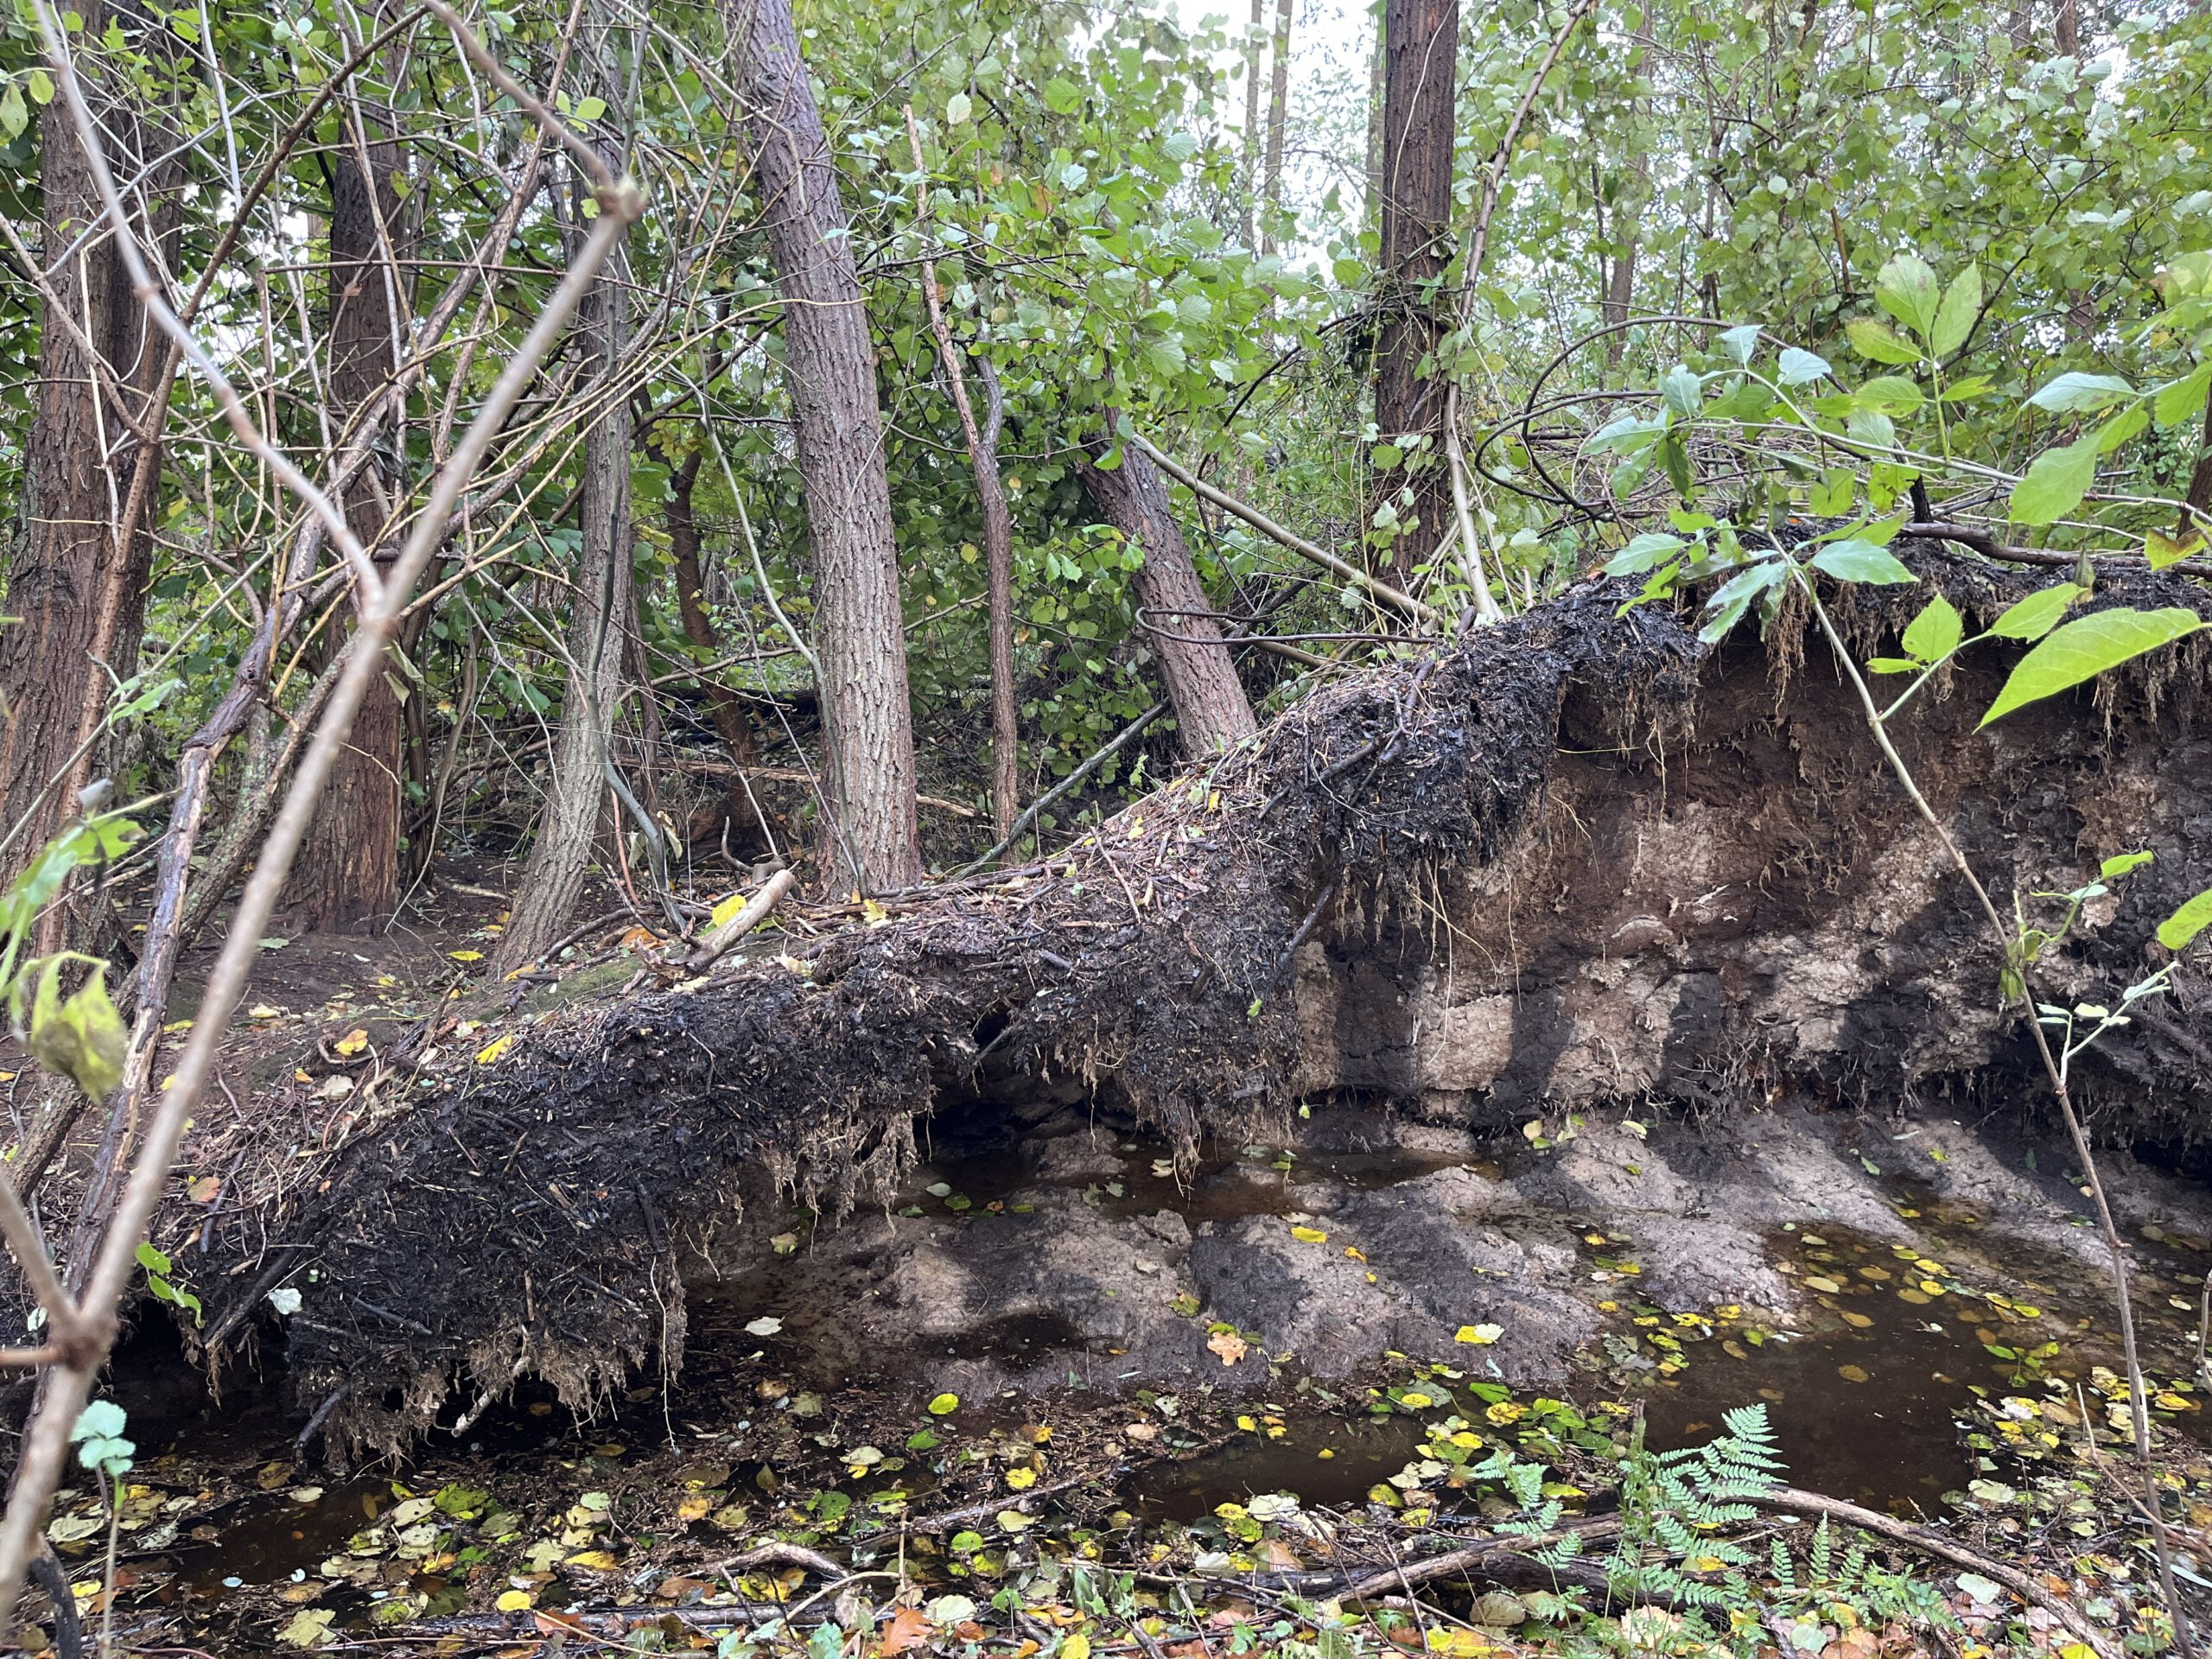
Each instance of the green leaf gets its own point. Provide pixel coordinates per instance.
(1935, 632)
(2180, 400)
(2121, 427)
(590, 109)
(2037, 614)
(1893, 665)
(2087, 647)
(1798, 366)
(42, 85)
(1628, 434)
(81, 1038)
(1905, 288)
(14, 115)
(1642, 553)
(1862, 561)
(2122, 863)
(1891, 394)
(2055, 483)
(1740, 343)
(2077, 393)
(1062, 97)
(100, 1419)
(1733, 597)
(1955, 318)
(1880, 342)
(2161, 549)
(1683, 389)
(957, 109)
(2185, 924)
(152, 1260)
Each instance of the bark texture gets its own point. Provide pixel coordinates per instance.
(872, 840)
(1420, 49)
(599, 618)
(1211, 708)
(74, 584)
(348, 869)
(1278, 120)
(1578, 859)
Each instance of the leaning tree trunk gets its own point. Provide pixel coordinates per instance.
(348, 870)
(70, 588)
(598, 621)
(1421, 47)
(1210, 707)
(873, 839)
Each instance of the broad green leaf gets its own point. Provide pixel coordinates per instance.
(1893, 665)
(1891, 394)
(2161, 549)
(2075, 393)
(2055, 483)
(1798, 366)
(1683, 389)
(1628, 434)
(2185, 924)
(1935, 632)
(100, 1419)
(1955, 318)
(2121, 427)
(1062, 97)
(1740, 343)
(2122, 863)
(957, 108)
(2087, 647)
(2037, 614)
(590, 109)
(2181, 400)
(1832, 495)
(1733, 597)
(41, 85)
(1674, 456)
(1905, 288)
(1860, 561)
(82, 1038)
(1642, 553)
(1881, 342)
(14, 115)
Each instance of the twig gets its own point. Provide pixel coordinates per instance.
(757, 911)
(1120, 740)
(1790, 1500)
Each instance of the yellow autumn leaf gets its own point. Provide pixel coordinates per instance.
(352, 1042)
(1478, 1335)
(466, 955)
(944, 1405)
(725, 907)
(491, 1051)
(1020, 1479)
(599, 1560)
(1075, 1645)
(513, 1601)
(1309, 1235)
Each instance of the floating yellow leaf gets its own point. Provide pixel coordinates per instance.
(1853, 1373)
(944, 1405)
(1480, 1335)
(466, 955)
(1825, 1287)
(1309, 1235)
(491, 1051)
(1859, 1320)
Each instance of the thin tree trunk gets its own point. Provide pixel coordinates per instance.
(1248, 162)
(1422, 52)
(73, 591)
(872, 839)
(998, 522)
(348, 870)
(1278, 112)
(599, 619)
(1372, 220)
(1210, 707)
(2196, 513)
(1620, 290)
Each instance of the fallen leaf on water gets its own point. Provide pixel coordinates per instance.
(1853, 1373)
(1825, 1287)
(1230, 1346)
(1859, 1320)
(309, 1628)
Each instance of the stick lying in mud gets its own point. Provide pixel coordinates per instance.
(1791, 1501)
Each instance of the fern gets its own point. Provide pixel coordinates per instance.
(1674, 1503)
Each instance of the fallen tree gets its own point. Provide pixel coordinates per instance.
(1575, 858)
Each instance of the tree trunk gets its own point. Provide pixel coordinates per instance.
(1371, 219)
(598, 623)
(1277, 102)
(75, 592)
(348, 869)
(1421, 45)
(2196, 508)
(1620, 291)
(872, 840)
(1210, 707)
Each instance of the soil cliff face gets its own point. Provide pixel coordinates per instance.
(1575, 859)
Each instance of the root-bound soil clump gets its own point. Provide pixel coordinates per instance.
(1573, 867)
